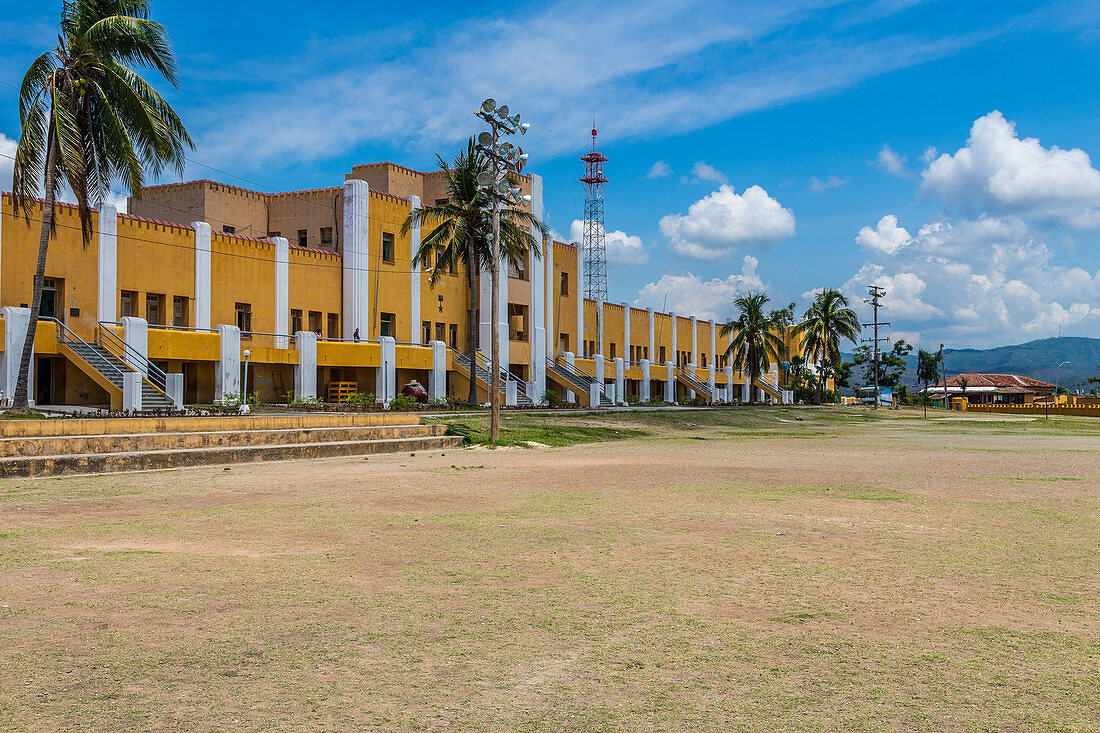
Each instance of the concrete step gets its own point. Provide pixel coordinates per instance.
(163, 459)
(136, 442)
(218, 423)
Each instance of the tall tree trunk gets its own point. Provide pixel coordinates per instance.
(471, 330)
(21, 398)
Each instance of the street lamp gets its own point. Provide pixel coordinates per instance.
(244, 386)
(1056, 380)
(504, 158)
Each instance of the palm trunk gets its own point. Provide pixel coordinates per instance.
(471, 340)
(21, 399)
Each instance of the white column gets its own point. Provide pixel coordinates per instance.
(675, 344)
(356, 259)
(643, 387)
(202, 274)
(691, 373)
(746, 395)
(580, 298)
(553, 288)
(305, 371)
(511, 393)
(282, 292)
(570, 361)
(694, 342)
(135, 334)
(536, 327)
(652, 343)
(598, 359)
(713, 343)
(729, 384)
(131, 391)
(626, 332)
(16, 323)
(486, 288)
(107, 290)
(437, 378)
(385, 379)
(594, 393)
(173, 387)
(670, 382)
(415, 276)
(227, 378)
(599, 326)
(620, 381)
(711, 369)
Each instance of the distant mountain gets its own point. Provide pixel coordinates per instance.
(1036, 359)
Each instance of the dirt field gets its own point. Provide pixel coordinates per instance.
(711, 571)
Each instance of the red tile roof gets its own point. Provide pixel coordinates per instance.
(993, 380)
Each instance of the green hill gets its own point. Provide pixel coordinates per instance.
(1036, 359)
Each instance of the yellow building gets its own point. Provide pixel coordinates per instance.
(317, 287)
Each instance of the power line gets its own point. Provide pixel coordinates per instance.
(875, 292)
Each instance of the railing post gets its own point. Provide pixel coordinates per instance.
(620, 381)
(511, 393)
(135, 334)
(305, 371)
(643, 388)
(227, 378)
(173, 387)
(670, 382)
(437, 379)
(570, 361)
(131, 391)
(598, 375)
(386, 375)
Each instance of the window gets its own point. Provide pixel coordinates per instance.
(703, 359)
(387, 247)
(334, 325)
(295, 320)
(565, 283)
(441, 202)
(272, 235)
(302, 238)
(387, 324)
(440, 329)
(315, 322)
(179, 310)
(661, 355)
(154, 309)
(453, 333)
(563, 342)
(126, 303)
(426, 261)
(326, 235)
(612, 350)
(244, 317)
(645, 352)
(229, 230)
(518, 269)
(425, 331)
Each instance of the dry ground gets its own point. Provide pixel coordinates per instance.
(824, 574)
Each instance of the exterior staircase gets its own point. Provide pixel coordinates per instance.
(700, 388)
(112, 368)
(576, 381)
(79, 446)
(481, 370)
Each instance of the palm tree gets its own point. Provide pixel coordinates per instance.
(87, 118)
(754, 344)
(828, 320)
(461, 232)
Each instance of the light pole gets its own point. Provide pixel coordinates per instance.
(244, 385)
(503, 158)
(1056, 380)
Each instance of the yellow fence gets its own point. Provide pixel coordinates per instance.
(1039, 409)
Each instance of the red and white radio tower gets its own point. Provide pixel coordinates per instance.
(595, 256)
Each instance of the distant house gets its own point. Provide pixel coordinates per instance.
(993, 389)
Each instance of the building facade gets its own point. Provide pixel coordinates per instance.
(318, 287)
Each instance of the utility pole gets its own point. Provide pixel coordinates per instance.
(875, 292)
(943, 369)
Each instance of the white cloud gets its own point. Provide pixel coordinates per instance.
(705, 172)
(724, 220)
(999, 172)
(620, 248)
(817, 185)
(706, 299)
(660, 169)
(975, 282)
(7, 165)
(929, 154)
(887, 237)
(891, 162)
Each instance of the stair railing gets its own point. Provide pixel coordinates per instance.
(128, 355)
(65, 336)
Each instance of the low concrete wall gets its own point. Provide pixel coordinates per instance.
(118, 426)
(1080, 410)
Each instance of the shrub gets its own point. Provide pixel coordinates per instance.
(551, 397)
(361, 399)
(402, 402)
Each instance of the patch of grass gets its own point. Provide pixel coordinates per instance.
(523, 431)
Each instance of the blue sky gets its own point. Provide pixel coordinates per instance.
(945, 150)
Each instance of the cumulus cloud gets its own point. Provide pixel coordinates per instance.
(704, 172)
(621, 248)
(660, 169)
(999, 172)
(887, 237)
(985, 281)
(706, 299)
(723, 220)
(7, 152)
(817, 185)
(891, 162)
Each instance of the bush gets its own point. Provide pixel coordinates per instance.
(655, 401)
(551, 397)
(361, 399)
(402, 402)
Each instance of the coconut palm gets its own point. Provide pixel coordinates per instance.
(755, 343)
(88, 118)
(827, 321)
(461, 232)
